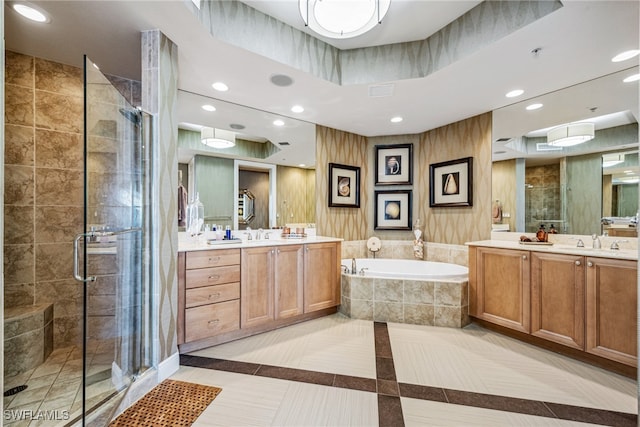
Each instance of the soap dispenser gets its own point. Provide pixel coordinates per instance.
(541, 235)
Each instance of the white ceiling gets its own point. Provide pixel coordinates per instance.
(577, 44)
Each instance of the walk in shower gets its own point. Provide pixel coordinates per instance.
(77, 318)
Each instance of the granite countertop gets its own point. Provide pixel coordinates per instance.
(187, 244)
(560, 248)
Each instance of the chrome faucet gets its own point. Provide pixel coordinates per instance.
(248, 233)
(354, 269)
(615, 246)
(596, 242)
(259, 234)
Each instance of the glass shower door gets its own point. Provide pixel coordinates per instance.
(115, 296)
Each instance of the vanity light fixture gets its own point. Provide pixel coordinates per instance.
(297, 109)
(571, 134)
(396, 119)
(217, 138)
(339, 19)
(208, 107)
(278, 122)
(220, 87)
(625, 55)
(534, 106)
(31, 12)
(632, 78)
(514, 93)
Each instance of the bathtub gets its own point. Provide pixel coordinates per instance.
(408, 269)
(406, 291)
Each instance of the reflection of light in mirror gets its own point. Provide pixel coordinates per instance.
(220, 87)
(278, 123)
(633, 78)
(609, 160)
(514, 93)
(396, 119)
(208, 107)
(534, 107)
(297, 109)
(571, 134)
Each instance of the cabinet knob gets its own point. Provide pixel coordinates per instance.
(214, 259)
(214, 277)
(215, 295)
(524, 257)
(278, 250)
(578, 263)
(213, 322)
(589, 264)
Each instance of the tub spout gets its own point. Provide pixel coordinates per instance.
(354, 269)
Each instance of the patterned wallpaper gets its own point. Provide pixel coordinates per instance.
(470, 137)
(296, 195)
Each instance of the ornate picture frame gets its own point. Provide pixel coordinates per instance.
(451, 183)
(344, 186)
(393, 210)
(394, 164)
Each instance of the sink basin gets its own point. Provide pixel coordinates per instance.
(224, 242)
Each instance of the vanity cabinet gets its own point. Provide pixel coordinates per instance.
(271, 283)
(500, 288)
(211, 293)
(585, 303)
(557, 298)
(321, 276)
(612, 297)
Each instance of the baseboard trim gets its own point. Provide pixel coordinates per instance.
(168, 367)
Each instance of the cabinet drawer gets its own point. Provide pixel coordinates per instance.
(212, 319)
(212, 294)
(212, 276)
(215, 258)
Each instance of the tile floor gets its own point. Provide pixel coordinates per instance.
(55, 388)
(338, 371)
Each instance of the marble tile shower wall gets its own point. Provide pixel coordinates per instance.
(44, 187)
(542, 195)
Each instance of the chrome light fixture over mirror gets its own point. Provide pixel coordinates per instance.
(217, 138)
(340, 19)
(571, 134)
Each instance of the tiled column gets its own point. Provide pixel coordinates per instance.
(159, 97)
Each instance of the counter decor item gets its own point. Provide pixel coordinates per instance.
(195, 216)
(392, 210)
(344, 186)
(394, 164)
(451, 183)
(374, 244)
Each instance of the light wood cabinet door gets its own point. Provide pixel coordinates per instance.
(211, 319)
(256, 286)
(612, 297)
(289, 280)
(321, 274)
(500, 286)
(557, 298)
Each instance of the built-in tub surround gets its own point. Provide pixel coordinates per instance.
(436, 299)
(403, 249)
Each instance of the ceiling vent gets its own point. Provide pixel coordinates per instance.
(381, 90)
(543, 146)
(502, 140)
(283, 143)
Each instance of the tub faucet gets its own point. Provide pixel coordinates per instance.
(354, 269)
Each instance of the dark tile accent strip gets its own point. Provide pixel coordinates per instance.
(219, 364)
(382, 342)
(389, 411)
(422, 392)
(390, 388)
(593, 416)
(299, 375)
(355, 383)
(385, 369)
(500, 403)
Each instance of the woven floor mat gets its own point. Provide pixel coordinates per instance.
(170, 403)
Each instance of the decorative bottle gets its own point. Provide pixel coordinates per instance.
(195, 216)
(541, 235)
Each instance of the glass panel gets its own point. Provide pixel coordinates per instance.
(114, 302)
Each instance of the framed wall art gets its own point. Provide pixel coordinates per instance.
(451, 183)
(344, 186)
(394, 164)
(392, 210)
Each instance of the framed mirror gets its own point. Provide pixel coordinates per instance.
(245, 206)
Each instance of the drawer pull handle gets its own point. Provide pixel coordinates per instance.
(590, 264)
(216, 295)
(578, 262)
(214, 277)
(216, 259)
(213, 322)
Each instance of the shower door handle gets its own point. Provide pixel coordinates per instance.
(76, 273)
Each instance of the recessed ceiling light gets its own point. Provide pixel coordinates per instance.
(31, 12)
(625, 55)
(220, 87)
(302, 165)
(396, 119)
(297, 109)
(514, 93)
(278, 122)
(281, 80)
(236, 126)
(633, 78)
(534, 106)
(208, 107)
